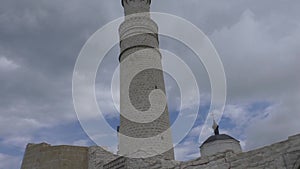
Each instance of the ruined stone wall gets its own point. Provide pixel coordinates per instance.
(97, 157)
(45, 156)
(282, 155)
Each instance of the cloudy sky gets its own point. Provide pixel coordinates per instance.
(258, 43)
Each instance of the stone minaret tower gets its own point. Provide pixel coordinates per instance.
(144, 120)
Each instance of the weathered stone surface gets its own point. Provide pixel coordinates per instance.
(144, 129)
(45, 156)
(282, 155)
(98, 156)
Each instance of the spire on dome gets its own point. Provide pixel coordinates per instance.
(216, 128)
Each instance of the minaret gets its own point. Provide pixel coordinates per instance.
(144, 118)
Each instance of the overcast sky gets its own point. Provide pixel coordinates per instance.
(258, 43)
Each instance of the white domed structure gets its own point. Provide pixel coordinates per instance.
(219, 143)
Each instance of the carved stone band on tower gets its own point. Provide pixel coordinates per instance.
(144, 120)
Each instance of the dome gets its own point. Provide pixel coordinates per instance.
(218, 137)
(218, 144)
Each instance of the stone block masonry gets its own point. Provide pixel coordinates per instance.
(282, 155)
(45, 156)
(144, 117)
(97, 157)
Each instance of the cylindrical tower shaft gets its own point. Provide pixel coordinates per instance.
(144, 121)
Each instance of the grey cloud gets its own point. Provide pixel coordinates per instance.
(7, 161)
(257, 40)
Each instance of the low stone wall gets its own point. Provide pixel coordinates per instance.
(97, 157)
(282, 155)
(45, 156)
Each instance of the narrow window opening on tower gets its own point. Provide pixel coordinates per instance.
(155, 87)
